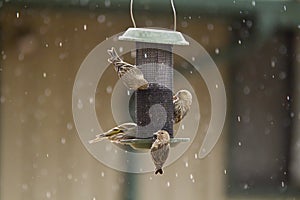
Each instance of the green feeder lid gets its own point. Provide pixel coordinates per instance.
(154, 36)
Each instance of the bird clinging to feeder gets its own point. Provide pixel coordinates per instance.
(160, 150)
(131, 76)
(182, 101)
(123, 131)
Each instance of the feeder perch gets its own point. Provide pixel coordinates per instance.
(155, 59)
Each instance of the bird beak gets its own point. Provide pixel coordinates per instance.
(156, 133)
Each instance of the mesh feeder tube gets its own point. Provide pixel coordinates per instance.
(154, 57)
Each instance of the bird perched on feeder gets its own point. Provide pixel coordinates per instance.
(131, 76)
(160, 150)
(123, 131)
(182, 102)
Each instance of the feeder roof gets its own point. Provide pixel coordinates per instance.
(154, 36)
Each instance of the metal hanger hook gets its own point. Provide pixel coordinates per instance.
(173, 9)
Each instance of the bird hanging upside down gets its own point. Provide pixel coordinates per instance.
(132, 77)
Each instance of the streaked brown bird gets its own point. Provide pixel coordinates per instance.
(132, 77)
(160, 150)
(123, 131)
(182, 102)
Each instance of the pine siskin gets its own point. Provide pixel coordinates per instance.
(182, 102)
(131, 76)
(123, 131)
(160, 150)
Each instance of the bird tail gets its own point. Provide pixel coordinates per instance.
(97, 139)
(114, 57)
(160, 171)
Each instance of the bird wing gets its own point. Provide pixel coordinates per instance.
(133, 78)
(160, 154)
(178, 115)
(125, 130)
(107, 134)
(180, 110)
(130, 129)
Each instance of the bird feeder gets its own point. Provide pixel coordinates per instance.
(154, 58)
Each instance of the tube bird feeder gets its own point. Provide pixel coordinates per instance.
(154, 58)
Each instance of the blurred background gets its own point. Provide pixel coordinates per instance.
(256, 46)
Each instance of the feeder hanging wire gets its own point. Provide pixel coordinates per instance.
(131, 13)
(173, 9)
